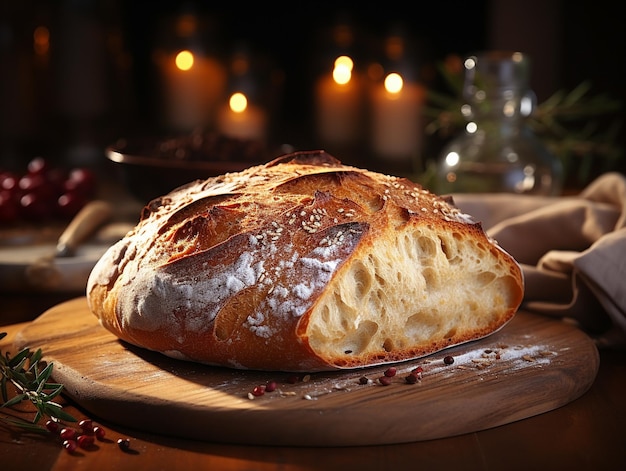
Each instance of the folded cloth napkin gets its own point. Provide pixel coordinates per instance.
(572, 250)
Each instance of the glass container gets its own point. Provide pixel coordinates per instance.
(498, 152)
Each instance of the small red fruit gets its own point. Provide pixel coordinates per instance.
(70, 445)
(384, 380)
(99, 432)
(52, 426)
(38, 165)
(68, 204)
(390, 372)
(68, 433)
(81, 180)
(9, 207)
(85, 441)
(86, 425)
(124, 444)
(411, 378)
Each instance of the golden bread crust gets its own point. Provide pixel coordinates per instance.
(303, 264)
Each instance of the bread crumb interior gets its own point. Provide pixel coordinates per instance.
(383, 302)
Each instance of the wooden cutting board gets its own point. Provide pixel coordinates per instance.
(533, 365)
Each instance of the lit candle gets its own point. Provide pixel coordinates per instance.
(396, 110)
(338, 105)
(241, 119)
(193, 85)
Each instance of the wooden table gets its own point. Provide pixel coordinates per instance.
(587, 433)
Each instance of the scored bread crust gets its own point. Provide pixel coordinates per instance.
(303, 264)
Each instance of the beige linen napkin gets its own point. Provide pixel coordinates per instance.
(572, 251)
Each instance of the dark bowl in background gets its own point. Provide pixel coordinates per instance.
(151, 167)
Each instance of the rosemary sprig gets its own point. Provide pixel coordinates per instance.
(30, 376)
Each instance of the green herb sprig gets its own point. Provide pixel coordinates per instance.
(30, 376)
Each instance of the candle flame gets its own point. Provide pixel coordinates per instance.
(184, 60)
(344, 61)
(238, 102)
(342, 73)
(394, 83)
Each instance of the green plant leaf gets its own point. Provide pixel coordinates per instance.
(32, 384)
(56, 390)
(43, 376)
(19, 360)
(3, 389)
(15, 400)
(25, 425)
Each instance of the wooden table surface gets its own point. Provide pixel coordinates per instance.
(586, 434)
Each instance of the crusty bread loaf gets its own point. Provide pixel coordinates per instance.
(303, 264)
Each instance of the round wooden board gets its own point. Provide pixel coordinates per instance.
(533, 365)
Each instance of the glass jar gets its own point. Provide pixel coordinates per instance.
(498, 152)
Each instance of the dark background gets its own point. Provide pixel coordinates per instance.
(70, 112)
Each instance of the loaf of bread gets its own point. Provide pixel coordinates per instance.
(303, 264)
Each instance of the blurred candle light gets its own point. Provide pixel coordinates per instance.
(41, 40)
(394, 83)
(192, 75)
(184, 60)
(338, 104)
(396, 115)
(241, 119)
(192, 86)
(342, 72)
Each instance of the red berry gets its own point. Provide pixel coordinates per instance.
(81, 180)
(7, 175)
(70, 445)
(36, 207)
(99, 432)
(258, 390)
(411, 378)
(44, 192)
(68, 204)
(68, 433)
(123, 443)
(417, 373)
(9, 181)
(85, 441)
(32, 182)
(9, 207)
(384, 380)
(270, 386)
(390, 372)
(52, 426)
(86, 425)
(37, 165)
(448, 360)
